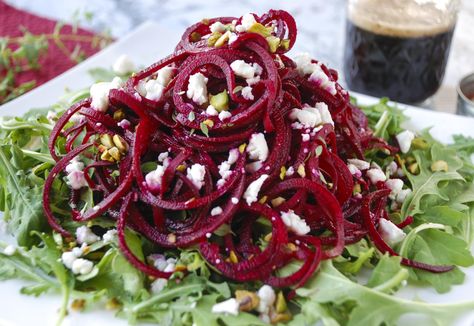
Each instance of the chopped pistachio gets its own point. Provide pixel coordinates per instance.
(280, 305)
(291, 247)
(78, 304)
(119, 115)
(195, 37)
(105, 156)
(263, 200)
(268, 237)
(301, 171)
(273, 43)
(413, 168)
(282, 172)
(357, 189)
(120, 143)
(106, 140)
(181, 168)
(419, 143)
(237, 89)
(101, 148)
(247, 300)
(278, 201)
(285, 44)
(260, 29)
(220, 101)
(439, 165)
(172, 237)
(180, 268)
(242, 148)
(115, 153)
(280, 318)
(209, 123)
(113, 304)
(205, 21)
(191, 116)
(233, 257)
(223, 39)
(204, 129)
(213, 38)
(410, 159)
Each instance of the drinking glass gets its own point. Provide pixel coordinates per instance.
(398, 48)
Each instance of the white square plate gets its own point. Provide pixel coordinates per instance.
(147, 44)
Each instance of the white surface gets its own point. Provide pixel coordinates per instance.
(17, 309)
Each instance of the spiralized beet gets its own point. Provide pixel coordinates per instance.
(228, 133)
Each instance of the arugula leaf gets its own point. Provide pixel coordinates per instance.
(388, 274)
(372, 307)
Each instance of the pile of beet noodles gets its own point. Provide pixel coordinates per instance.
(178, 216)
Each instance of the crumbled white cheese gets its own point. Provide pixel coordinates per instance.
(257, 147)
(68, 258)
(211, 110)
(305, 66)
(163, 156)
(404, 140)
(85, 235)
(217, 27)
(110, 235)
(100, 93)
(249, 71)
(75, 176)
(82, 266)
(234, 200)
(309, 117)
(216, 211)
(305, 137)
(233, 156)
(360, 164)
(395, 185)
(376, 175)
(230, 306)
(153, 90)
(391, 233)
(196, 174)
(295, 223)
(324, 113)
(123, 65)
(158, 285)
(197, 88)
(124, 123)
(154, 178)
(267, 297)
(245, 23)
(162, 264)
(354, 170)
(164, 75)
(232, 38)
(223, 115)
(247, 93)
(290, 171)
(251, 193)
(392, 168)
(402, 195)
(9, 250)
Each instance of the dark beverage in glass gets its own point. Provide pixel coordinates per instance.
(397, 48)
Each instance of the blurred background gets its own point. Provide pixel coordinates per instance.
(321, 25)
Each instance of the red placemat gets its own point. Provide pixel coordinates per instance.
(55, 61)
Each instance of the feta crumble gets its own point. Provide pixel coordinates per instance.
(75, 176)
(217, 27)
(257, 147)
(307, 116)
(395, 185)
(223, 115)
(295, 223)
(211, 111)
(267, 297)
(110, 235)
(216, 211)
(247, 93)
(158, 285)
(404, 140)
(85, 235)
(402, 195)
(251, 193)
(82, 266)
(123, 65)
(391, 233)
(250, 71)
(100, 93)
(196, 174)
(230, 306)
(354, 170)
(9, 250)
(197, 88)
(305, 66)
(245, 23)
(376, 175)
(154, 178)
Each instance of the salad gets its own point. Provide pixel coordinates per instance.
(232, 184)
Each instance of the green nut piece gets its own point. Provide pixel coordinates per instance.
(285, 44)
(260, 29)
(419, 143)
(120, 143)
(195, 37)
(220, 101)
(106, 140)
(439, 165)
(119, 115)
(273, 43)
(115, 153)
(222, 40)
(213, 38)
(281, 306)
(413, 168)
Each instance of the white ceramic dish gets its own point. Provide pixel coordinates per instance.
(143, 47)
